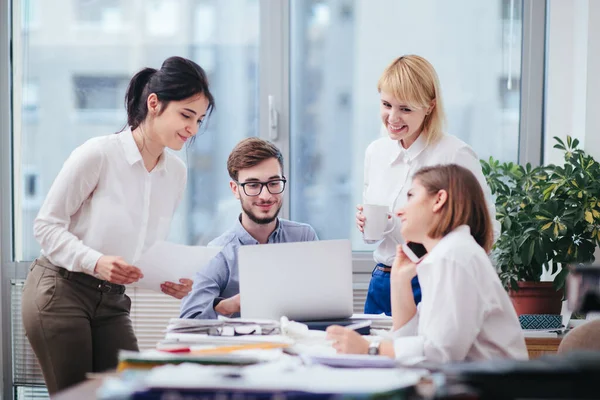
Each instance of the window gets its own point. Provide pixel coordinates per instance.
(103, 14)
(512, 10)
(98, 69)
(30, 101)
(509, 92)
(161, 17)
(338, 51)
(204, 22)
(89, 73)
(32, 198)
(99, 92)
(30, 15)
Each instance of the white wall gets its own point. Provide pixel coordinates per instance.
(592, 129)
(573, 83)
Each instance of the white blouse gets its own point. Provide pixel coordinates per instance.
(105, 202)
(465, 314)
(389, 169)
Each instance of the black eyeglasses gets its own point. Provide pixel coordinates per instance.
(276, 186)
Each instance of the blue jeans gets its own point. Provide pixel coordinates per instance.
(378, 296)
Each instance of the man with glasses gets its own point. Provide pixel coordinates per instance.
(256, 170)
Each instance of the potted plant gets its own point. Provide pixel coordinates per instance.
(550, 217)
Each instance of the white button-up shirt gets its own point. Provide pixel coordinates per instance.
(465, 313)
(389, 169)
(105, 202)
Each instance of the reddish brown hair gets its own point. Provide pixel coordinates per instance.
(250, 152)
(465, 205)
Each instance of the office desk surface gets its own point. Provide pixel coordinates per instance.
(539, 346)
(425, 390)
(84, 390)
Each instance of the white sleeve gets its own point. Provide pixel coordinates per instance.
(74, 184)
(411, 328)
(182, 186)
(466, 157)
(449, 321)
(411, 344)
(367, 168)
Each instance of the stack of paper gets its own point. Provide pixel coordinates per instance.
(282, 377)
(193, 325)
(542, 333)
(223, 326)
(151, 358)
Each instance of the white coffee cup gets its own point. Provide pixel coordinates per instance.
(376, 221)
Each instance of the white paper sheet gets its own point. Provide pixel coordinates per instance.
(166, 261)
(285, 375)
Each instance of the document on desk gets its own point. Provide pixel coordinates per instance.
(284, 376)
(169, 262)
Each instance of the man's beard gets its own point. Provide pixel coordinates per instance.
(258, 220)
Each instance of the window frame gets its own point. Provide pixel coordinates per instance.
(7, 266)
(274, 80)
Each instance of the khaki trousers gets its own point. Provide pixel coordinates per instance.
(75, 323)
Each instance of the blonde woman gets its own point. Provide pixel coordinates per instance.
(465, 315)
(412, 113)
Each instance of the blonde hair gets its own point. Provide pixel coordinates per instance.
(413, 79)
(465, 205)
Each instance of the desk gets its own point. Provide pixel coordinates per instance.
(83, 390)
(540, 346)
(426, 389)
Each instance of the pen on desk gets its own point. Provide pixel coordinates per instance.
(358, 325)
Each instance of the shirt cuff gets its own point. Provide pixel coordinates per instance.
(88, 265)
(409, 347)
(411, 328)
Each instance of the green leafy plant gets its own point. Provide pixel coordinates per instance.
(550, 215)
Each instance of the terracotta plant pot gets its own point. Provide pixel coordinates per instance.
(536, 298)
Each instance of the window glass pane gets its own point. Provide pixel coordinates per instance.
(71, 87)
(105, 13)
(339, 48)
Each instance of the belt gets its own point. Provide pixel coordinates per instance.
(383, 267)
(82, 278)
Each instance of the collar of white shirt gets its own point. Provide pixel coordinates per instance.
(458, 234)
(132, 153)
(400, 153)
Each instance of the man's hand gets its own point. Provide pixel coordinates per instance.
(179, 291)
(229, 306)
(116, 270)
(347, 341)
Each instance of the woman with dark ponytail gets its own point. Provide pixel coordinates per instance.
(113, 199)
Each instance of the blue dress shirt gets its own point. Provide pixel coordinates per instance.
(220, 278)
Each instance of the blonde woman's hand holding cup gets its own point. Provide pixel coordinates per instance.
(360, 219)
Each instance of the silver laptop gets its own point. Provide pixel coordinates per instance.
(304, 281)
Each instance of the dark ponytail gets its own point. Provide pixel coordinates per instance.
(136, 108)
(177, 79)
